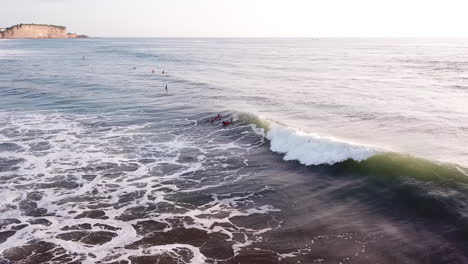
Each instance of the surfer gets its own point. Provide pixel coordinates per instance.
(166, 88)
(152, 71)
(163, 72)
(226, 123)
(218, 117)
(134, 68)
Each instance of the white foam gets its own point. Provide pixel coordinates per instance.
(75, 144)
(312, 149)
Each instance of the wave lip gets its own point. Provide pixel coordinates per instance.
(312, 149)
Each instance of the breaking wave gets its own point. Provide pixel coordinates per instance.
(312, 149)
(391, 167)
(309, 148)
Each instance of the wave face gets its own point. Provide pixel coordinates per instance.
(430, 189)
(312, 149)
(396, 168)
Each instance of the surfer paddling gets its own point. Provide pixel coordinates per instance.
(228, 123)
(216, 118)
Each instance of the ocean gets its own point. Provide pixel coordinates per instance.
(337, 151)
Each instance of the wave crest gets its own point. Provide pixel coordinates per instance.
(312, 149)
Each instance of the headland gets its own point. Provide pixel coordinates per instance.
(37, 31)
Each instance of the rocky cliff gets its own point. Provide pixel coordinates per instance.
(34, 31)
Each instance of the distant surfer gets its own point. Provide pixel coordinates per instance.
(166, 88)
(163, 72)
(134, 68)
(83, 57)
(153, 71)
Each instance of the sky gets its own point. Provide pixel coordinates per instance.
(245, 18)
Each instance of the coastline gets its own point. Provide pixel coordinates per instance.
(38, 31)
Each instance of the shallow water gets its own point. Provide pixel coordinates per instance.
(348, 151)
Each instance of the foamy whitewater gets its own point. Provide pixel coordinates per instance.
(339, 151)
(311, 149)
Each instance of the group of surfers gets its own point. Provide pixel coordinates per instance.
(225, 122)
(134, 67)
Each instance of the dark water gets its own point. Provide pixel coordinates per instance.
(98, 164)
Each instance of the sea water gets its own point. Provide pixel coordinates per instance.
(340, 150)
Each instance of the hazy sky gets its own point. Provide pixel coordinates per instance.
(245, 18)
